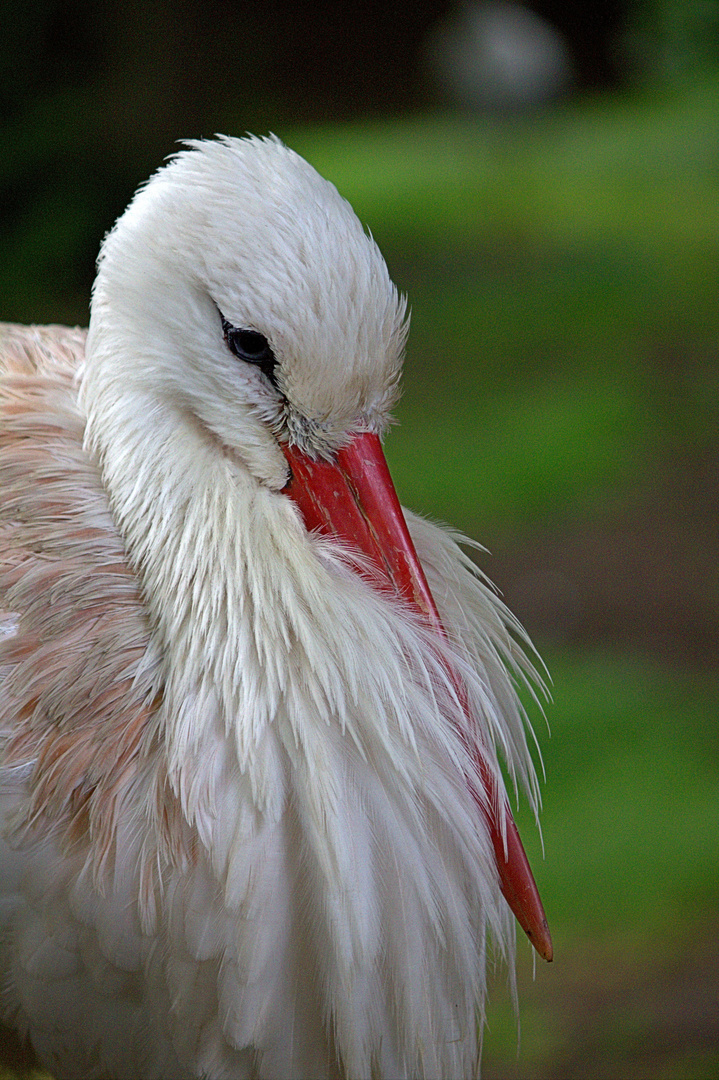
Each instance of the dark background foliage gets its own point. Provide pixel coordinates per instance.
(94, 95)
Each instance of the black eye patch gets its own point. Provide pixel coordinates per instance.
(252, 347)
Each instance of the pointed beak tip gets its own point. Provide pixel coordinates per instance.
(541, 939)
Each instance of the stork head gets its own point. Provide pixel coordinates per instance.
(282, 321)
(241, 290)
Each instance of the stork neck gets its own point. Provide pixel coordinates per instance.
(197, 527)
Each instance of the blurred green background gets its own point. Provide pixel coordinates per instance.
(561, 403)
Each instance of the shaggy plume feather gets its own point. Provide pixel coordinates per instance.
(239, 837)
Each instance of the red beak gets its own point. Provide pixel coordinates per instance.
(353, 498)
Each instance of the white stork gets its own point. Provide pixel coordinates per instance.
(253, 820)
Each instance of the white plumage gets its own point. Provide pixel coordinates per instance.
(241, 778)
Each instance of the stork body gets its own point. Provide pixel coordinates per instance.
(250, 793)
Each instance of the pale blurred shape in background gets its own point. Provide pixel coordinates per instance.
(496, 55)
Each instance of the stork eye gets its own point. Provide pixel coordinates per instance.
(252, 347)
(249, 345)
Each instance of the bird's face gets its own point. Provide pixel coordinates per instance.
(282, 323)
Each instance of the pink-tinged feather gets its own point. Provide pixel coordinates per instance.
(80, 689)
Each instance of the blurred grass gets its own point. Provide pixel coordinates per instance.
(552, 264)
(631, 821)
(607, 167)
(629, 881)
